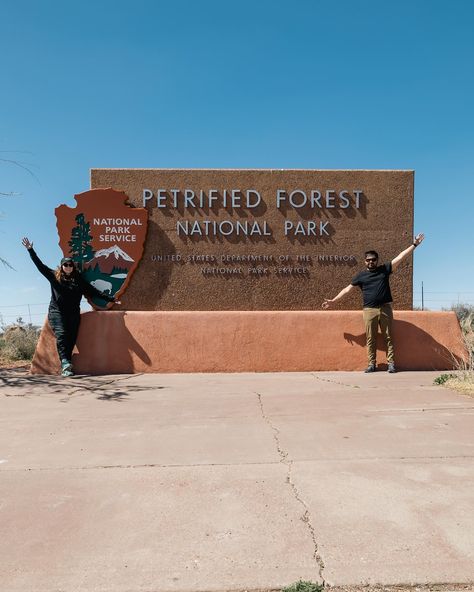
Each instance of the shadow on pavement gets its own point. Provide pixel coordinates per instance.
(14, 383)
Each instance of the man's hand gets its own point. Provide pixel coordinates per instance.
(26, 243)
(399, 258)
(328, 301)
(418, 239)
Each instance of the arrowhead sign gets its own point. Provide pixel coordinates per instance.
(105, 237)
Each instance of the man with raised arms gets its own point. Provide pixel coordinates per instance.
(377, 301)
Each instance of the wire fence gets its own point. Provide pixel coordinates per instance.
(35, 312)
(438, 299)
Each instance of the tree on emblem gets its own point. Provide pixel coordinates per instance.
(80, 243)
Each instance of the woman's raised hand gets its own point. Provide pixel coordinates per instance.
(26, 243)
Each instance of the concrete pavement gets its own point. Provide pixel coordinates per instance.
(194, 482)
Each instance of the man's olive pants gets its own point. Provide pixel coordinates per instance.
(373, 317)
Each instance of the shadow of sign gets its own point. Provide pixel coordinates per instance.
(108, 352)
(124, 345)
(156, 277)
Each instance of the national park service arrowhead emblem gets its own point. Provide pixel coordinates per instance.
(105, 237)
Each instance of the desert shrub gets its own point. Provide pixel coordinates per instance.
(18, 342)
(465, 314)
(463, 380)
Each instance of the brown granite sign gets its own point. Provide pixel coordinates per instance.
(105, 237)
(262, 239)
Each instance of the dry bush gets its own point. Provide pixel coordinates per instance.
(465, 314)
(463, 379)
(18, 342)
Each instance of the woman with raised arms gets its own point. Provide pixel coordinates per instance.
(64, 313)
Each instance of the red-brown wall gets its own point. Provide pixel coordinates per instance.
(249, 341)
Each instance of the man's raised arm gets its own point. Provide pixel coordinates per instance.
(399, 258)
(328, 301)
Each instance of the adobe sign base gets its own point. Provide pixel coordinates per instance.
(118, 342)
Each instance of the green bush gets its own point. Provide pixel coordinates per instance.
(302, 586)
(444, 378)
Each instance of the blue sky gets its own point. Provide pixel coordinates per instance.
(237, 84)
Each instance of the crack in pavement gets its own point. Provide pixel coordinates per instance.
(137, 466)
(306, 517)
(423, 409)
(333, 381)
(389, 411)
(241, 464)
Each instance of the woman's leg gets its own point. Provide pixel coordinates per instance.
(72, 330)
(57, 324)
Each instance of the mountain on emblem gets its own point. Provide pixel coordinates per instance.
(115, 251)
(87, 233)
(110, 259)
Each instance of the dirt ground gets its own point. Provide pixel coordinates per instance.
(17, 365)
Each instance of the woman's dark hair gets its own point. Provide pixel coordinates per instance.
(61, 276)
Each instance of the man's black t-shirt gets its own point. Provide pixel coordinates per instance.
(374, 285)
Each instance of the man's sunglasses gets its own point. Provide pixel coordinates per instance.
(373, 259)
(68, 265)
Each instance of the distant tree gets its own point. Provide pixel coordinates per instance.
(119, 270)
(80, 243)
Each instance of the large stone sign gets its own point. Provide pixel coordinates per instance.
(226, 271)
(261, 239)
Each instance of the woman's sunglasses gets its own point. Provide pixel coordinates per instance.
(68, 265)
